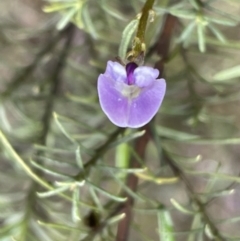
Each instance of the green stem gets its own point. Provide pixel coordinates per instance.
(138, 49)
(99, 153)
(143, 20)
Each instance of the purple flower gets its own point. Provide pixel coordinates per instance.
(130, 96)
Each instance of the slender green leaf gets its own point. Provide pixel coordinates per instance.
(124, 170)
(226, 22)
(105, 4)
(52, 192)
(126, 37)
(75, 205)
(208, 232)
(71, 183)
(229, 44)
(186, 14)
(57, 7)
(79, 158)
(174, 134)
(220, 176)
(201, 37)
(226, 141)
(95, 198)
(217, 194)
(88, 22)
(197, 225)
(195, 4)
(116, 219)
(4, 120)
(187, 31)
(52, 149)
(233, 72)
(126, 188)
(184, 159)
(106, 193)
(127, 138)
(66, 18)
(229, 220)
(60, 126)
(62, 226)
(217, 33)
(181, 208)
(48, 171)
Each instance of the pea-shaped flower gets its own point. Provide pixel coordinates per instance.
(130, 96)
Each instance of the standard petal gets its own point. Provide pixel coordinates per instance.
(114, 105)
(143, 108)
(145, 76)
(116, 71)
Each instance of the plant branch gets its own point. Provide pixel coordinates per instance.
(201, 207)
(100, 151)
(32, 204)
(132, 181)
(22, 77)
(143, 20)
(56, 78)
(138, 47)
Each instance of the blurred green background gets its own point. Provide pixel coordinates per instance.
(49, 63)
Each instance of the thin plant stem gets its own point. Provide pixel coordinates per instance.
(138, 48)
(143, 20)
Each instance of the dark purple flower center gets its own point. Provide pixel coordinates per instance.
(130, 67)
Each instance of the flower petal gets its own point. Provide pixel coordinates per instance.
(144, 76)
(143, 108)
(114, 105)
(116, 71)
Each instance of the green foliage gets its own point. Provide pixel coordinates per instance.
(65, 169)
(126, 38)
(165, 225)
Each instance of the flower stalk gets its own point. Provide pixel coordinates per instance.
(139, 47)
